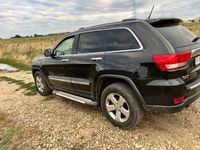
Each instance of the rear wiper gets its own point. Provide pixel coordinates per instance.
(196, 39)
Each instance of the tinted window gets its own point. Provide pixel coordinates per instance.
(177, 35)
(120, 39)
(65, 47)
(90, 42)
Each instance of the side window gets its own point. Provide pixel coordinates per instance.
(120, 39)
(65, 47)
(90, 42)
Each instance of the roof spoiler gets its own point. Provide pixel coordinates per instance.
(157, 20)
(160, 21)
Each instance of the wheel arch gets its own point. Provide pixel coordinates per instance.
(113, 79)
(35, 69)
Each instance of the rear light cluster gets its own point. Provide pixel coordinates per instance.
(178, 100)
(170, 62)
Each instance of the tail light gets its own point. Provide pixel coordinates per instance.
(178, 100)
(167, 62)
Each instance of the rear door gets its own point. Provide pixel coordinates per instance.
(87, 62)
(123, 50)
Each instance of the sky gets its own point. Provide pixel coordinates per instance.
(28, 17)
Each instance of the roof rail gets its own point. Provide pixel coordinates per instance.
(129, 19)
(81, 28)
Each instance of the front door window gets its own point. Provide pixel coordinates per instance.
(65, 47)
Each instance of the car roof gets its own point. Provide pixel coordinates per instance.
(125, 21)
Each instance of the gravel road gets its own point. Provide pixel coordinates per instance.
(56, 123)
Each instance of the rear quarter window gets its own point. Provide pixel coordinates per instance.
(120, 39)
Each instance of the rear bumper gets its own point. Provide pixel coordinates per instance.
(175, 108)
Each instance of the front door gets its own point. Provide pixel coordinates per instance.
(58, 67)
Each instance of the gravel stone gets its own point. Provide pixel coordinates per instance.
(62, 124)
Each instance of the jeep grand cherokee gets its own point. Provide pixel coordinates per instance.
(126, 67)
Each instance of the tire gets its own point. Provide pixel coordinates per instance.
(41, 85)
(120, 106)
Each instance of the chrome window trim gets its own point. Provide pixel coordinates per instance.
(133, 34)
(116, 51)
(94, 53)
(108, 52)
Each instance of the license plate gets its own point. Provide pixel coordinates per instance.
(197, 60)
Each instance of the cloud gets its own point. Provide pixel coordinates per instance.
(27, 17)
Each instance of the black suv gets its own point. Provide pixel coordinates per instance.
(126, 67)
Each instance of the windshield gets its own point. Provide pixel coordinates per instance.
(177, 35)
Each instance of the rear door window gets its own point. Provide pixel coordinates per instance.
(90, 42)
(120, 39)
(177, 35)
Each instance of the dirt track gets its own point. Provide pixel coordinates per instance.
(56, 123)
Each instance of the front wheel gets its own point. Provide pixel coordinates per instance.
(120, 106)
(41, 85)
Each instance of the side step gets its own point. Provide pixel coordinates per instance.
(75, 98)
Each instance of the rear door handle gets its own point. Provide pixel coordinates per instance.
(96, 58)
(64, 60)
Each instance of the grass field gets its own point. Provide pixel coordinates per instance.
(194, 27)
(20, 52)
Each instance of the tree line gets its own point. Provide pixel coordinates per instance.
(36, 35)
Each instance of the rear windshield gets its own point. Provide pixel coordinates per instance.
(177, 35)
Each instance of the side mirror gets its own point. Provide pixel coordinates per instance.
(47, 52)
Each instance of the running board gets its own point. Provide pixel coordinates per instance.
(75, 98)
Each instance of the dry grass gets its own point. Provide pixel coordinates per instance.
(7, 131)
(21, 51)
(25, 49)
(194, 27)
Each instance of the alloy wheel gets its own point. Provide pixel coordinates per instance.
(39, 83)
(117, 107)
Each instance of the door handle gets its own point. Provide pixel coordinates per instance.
(96, 58)
(64, 60)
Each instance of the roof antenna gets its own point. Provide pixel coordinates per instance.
(134, 8)
(151, 12)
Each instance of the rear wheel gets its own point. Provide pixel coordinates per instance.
(41, 85)
(120, 106)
